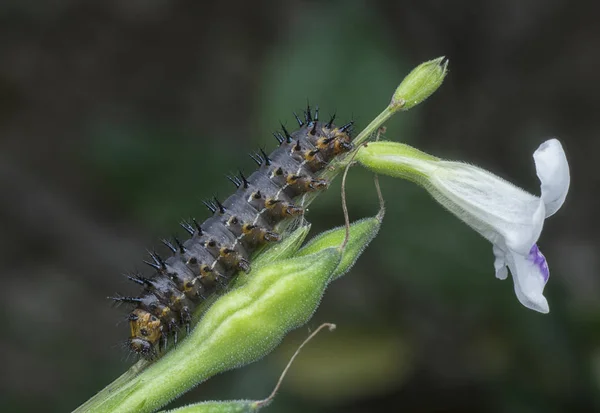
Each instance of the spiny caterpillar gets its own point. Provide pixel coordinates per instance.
(222, 245)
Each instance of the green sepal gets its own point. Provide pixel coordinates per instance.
(397, 160)
(362, 233)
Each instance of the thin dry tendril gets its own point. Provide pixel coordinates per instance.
(269, 399)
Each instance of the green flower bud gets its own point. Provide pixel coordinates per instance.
(362, 233)
(419, 84)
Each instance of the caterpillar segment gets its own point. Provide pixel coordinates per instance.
(222, 245)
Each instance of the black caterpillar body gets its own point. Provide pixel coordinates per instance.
(221, 245)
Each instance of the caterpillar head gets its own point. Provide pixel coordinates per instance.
(146, 331)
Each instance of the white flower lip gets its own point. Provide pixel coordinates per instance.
(509, 217)
(553, 171)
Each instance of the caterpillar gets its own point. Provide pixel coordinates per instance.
(222, 245)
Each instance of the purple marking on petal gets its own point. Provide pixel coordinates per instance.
(536, 256)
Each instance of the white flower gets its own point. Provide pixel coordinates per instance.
(507, 216)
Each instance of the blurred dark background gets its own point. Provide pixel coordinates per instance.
(117, 117)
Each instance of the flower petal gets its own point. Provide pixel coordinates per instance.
(530, 274)
(497, 209)
(500, 263)
(553, 171)
(520, 239)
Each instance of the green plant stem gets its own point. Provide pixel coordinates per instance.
(339, 164)
(375, 125)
